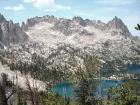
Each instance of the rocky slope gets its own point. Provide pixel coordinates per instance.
(107, 41)
(20, 79)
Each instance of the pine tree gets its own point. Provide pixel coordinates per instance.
(123, 95)
(6, 84)
(138, 27)
(83, 82)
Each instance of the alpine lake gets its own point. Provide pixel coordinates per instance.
(133, 69)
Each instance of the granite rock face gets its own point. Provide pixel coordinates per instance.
(63, 26)
(33, 21)
(0, 33)
(90, 22)
(23, 25)
(100, 25)
(11, 33)
(79, 20)
(117, 24)
(2, 19)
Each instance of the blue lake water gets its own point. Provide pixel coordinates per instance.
(105, 84)
(134, 69)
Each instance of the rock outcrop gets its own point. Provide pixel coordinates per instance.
(90, 22)
(100, 25)
(63, 26)
(79, 20)
(33, 21)
(11, 33)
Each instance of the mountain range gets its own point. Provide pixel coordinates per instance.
(55, 38)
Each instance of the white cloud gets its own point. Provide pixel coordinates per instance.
(115, 2)
(16, 8)
(83, 14)
(29, 1)
(47, 5)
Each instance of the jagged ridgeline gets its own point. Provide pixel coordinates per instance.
(51, 40)
(11, 33)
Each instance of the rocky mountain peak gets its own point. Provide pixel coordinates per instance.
(23, 25)
(28, 23)
(11, 33)
(33, 21)
(2, 19)
(90, 22)
(79, 20)
(99, 22)
(100, 25)
(11, 25)
(10, 22)
(117, 24)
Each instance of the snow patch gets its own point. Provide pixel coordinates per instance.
(40, 27)
(5, 48)
(72, 36)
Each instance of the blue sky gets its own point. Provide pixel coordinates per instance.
(104, 10)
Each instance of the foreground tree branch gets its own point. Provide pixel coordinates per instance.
(7, 89)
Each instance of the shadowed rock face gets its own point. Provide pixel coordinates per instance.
(79, 20)
(0, 33)
(90, 22)
(1, 45)
(11, 33)
(2, 19)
